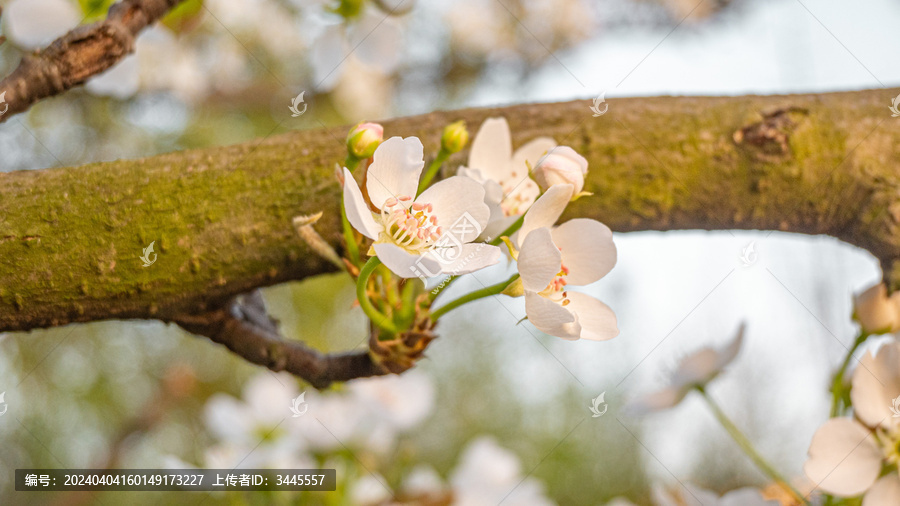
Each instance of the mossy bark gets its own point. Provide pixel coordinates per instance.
(71, 238)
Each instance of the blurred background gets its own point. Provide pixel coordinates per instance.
(498, 411)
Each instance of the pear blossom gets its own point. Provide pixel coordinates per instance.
(876, 312)
(577, 252)
(488, 474)
(847, 455)
(509, 191)
(32, 24)
(561, 165)
(695, 370)
(429, 234)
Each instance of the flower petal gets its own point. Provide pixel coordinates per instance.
(531, 151)
(730, 351)
(546, 210)
(844, 458)
(539, 260)
(885, 491)
(587, 250)
(459, 207)
(657, 401)
(598, 321)
(395, 170)
(550, 317)
(466, 258)
(491, 150)
(358, 213)
(876, 382)
(404, 263)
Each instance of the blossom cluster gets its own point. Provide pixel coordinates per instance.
(455, 226)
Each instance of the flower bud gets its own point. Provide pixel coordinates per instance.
(561, 165)
(348, 9)
(455, 137)
(364, 138)
(876, 312)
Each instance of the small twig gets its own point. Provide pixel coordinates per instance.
(244, 327)
(80, 54)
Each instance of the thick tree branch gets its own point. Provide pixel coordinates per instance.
(80, 54)
(244, 327)
(71, 238)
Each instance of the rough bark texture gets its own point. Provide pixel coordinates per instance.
(80, 54)
(70, 238)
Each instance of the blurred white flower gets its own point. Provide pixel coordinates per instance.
(509, 191)
(488, 474)
(402, 401)
(847, 455)
(120, 81)
(876, 312)
(691, 495)
(578, 252)
(370, 490)
(561, 165)
(166, 64)
(374, 40)
(258, 418)
(695, 370)
(33, 24)
(416, 235)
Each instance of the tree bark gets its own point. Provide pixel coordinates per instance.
(79, 55)
(71, 238)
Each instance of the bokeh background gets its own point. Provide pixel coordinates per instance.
(495, 402)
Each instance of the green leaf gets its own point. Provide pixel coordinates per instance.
(184, 16)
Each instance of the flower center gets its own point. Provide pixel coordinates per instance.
(515, 200)
(556, 290)
(410, 225)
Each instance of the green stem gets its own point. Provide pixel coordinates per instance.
(433, 169)
(748, 447)
(477, 294)
(837, 385)
(352, 162)
(377, 317)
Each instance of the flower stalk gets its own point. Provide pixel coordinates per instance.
(748, 448)
(837, 386)
(469, 297)
(381, 320)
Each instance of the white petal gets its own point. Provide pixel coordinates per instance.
(656, 401)
(844, 458)
(522, 195)
(497, 224)
(491, 150)
(459, 207)
(531, 151)
(550, 317)
(404, 263)
(546, 210)
(469, 258)
(876, 382)
(598, 321)
(395, 170)
(587, 250)
(539, 260)
(885, 492)
(358, 213)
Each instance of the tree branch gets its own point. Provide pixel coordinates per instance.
(244, 327)
(80, 54)
(71, 238)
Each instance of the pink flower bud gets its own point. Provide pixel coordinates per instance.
(561, 165)
(364, 138)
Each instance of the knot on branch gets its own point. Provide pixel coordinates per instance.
(769, 140)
